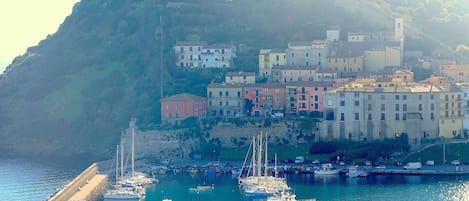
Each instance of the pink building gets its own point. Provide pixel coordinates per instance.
(310, 98)
(176, 108)
(264, 99)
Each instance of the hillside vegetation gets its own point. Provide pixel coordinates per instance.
(75, 92)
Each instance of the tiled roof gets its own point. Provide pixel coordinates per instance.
(218, 46)
(240, 74)
(183, 97)
(299, 43)
(190, 43)
(225, 85)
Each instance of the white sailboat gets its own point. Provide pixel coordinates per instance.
(258, 183)
(128, 188)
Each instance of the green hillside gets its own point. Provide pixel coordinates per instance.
(75, 92)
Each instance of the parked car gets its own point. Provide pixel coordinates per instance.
(299, 159)
(380, 167)
(341, 163)
(413, 166)
(368, 163)
(430, 163)
(277, 115)
(316, 162)
(455, 162)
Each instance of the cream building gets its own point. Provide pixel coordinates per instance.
(197, 54)
(225, 99)
(451, 112)
(457, 73)
(368, 113)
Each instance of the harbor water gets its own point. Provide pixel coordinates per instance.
(27, 180)
(322, 188)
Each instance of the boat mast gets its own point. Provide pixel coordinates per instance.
(245, 159)
(117, 164)
(253, 161)
(133, 150)
(266, 157)
(122, 159)
(259, 156)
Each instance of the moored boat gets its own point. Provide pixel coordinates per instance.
(326, 169)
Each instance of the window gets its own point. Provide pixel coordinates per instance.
(356, 95)
(303, 90)
(396, 108)
(446, 113)
(432, 116)
(420, 107)
(404, 107)
(383, 107)
(383, 117)
(342, 103)
(292, 54)
(446, 97)
(277, 58)
(397, 116)
(432, 106)
(307, 63)
(342, 118)
(357, 116)
(210, 94)
(220, 93)
(446, 105)
(307, 54)
(404, 97)
(226, 103)
(432, 96)
(369, 107)
(226, 93)
(404, 117)
(357, 103)
(315, 88)
(369, 117)
(316, 98)
(220, 103)
(397, 97)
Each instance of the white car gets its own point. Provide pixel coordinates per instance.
(380, 167)
(455, 162)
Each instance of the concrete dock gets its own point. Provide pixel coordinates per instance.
(437, 170)
(89, 185)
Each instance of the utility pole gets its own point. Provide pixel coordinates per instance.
(161, 54)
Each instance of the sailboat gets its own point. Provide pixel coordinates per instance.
(258, 183)
(131, 188)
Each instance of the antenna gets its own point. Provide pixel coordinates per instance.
(161, 55)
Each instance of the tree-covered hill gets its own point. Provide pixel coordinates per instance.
(76, 91)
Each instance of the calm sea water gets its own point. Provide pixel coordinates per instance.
(28, 180)
(35, 180)
(323, 188)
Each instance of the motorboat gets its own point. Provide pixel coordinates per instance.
(354, 171)
(326, 169)
(201, 189)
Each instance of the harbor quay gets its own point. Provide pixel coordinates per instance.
(88, 185)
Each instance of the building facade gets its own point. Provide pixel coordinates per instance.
(264, 99)
(176, 108)
(240, 77)
(269, 58)
(225, 99)
(197, 54)
(451, 112)
(368, 113)
(310, 98)
(286, 74)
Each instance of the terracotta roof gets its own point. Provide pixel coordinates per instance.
(300, 43)
(218, 46)
(240, 74)
(190, 43)
(225, 85)
(183, 97)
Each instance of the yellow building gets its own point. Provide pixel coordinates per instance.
(269, 58)
(377, 58)
(451, 113)
(458, 73)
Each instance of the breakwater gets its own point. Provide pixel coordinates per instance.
(86, 186)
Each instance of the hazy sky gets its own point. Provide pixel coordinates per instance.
(23, 23)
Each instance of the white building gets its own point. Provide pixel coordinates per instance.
(368, 113)
(465, 90)
(197, 54)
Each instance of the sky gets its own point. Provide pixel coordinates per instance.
(23, 23)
